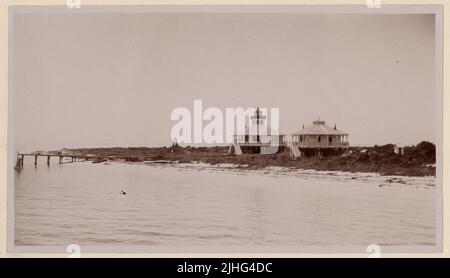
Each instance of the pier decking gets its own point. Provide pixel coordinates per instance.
(61, 157)
(64, 158)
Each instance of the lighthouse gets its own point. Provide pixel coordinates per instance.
(258, 137)
(258, 120)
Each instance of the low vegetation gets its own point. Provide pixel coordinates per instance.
(417, 160)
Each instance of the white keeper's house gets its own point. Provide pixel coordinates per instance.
(320, 139)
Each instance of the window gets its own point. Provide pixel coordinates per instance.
(318, 139)
(330, 139)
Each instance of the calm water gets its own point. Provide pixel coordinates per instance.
(203, 205)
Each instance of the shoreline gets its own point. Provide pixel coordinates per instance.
(418, 161)
(268, 169)
(280, 172)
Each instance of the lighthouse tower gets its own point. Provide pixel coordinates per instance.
(258, 120)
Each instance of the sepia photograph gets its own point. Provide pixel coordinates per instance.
(295, 129)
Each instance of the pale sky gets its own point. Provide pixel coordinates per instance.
(111, 79)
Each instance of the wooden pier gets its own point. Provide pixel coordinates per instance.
(62, 157)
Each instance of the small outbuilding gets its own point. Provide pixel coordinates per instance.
(399, 149)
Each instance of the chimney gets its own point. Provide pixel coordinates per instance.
(335, 127)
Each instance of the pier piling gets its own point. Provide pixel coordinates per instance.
(18, 163)
(61, 156)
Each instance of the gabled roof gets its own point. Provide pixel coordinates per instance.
(320, 128)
